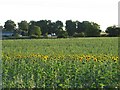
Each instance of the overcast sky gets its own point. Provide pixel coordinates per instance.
(103, 12)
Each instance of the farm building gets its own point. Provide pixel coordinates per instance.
(7, 34)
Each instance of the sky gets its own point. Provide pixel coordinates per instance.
(103, 12)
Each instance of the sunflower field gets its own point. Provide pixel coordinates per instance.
(60, 63)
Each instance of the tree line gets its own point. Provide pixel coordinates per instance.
(71, 28)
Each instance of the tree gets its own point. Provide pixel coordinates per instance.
(113, 31)
(34, 31)
(55, 27)
(80, 27)
(32, 23)
(23, 27)
(51, 27)
(59, 26)
(70, 27)
(43, 24)
(91, 29)
(62, 34)
(9, 25)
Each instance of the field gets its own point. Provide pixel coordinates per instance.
(60, 63)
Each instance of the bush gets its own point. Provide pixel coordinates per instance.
(16, 35)
(62, 34)
(34, 36)
(79, 35)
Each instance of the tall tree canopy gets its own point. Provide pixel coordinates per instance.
(70, 27)
(43, 24)
(55, 27)
(91, 29)
(34, 31)
(80, 27)
(9, 25)
(23, 25)
(59, 26)
(113, 31)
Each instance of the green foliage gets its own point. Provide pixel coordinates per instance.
(80, 27)
(16, 35)
(82, 34)
(62, 34)
(23, 25)
(49, 27)
(9, 25)
(113, 31)
(59, 27)
(43, 24)
(51, 63)
(40, 73)
(91, 29)
(70, 27)
(35, 31)
(73, 28)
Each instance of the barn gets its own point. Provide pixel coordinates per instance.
(7, 34)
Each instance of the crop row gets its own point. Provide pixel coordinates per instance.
(42, 71)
